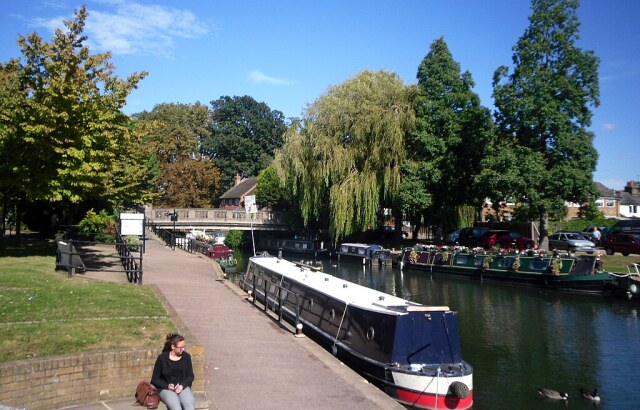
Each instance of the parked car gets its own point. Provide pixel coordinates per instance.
(452, 237)
(588, 234)
(625, 243)
(470, 237)
(571, 241)
(626, 226)
(506, 239)
(387, 233)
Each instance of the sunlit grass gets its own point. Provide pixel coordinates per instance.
(44, 313)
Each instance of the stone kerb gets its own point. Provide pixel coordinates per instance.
(85, 378)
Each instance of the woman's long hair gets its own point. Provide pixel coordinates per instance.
(172, 339)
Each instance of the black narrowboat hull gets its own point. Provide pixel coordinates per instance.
(383, 340)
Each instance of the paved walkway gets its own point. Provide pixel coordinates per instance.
(251, 362)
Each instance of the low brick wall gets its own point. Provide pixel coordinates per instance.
(86, 378)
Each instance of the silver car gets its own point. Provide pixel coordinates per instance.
(571, 241)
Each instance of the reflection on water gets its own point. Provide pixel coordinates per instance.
(519, 339)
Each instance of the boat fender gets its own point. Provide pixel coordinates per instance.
(633, 288)
(459, 389)
(334, 350)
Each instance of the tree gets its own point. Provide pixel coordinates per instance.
(345, 155)
(450, 140)
(243, 136)
(544, 111)
(269, 192)
(173, 134)
(63, 128)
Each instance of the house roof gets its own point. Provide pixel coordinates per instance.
(245, 187)
(604, 191)
(627, 199)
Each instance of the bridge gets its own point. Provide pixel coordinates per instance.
(216, 219)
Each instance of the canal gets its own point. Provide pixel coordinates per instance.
(518, 339)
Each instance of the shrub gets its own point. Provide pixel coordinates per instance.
(234, 239)
(99, 227)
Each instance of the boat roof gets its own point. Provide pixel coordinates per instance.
(340, 289)
(362, 245)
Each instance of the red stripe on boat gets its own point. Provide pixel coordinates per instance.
(429, 401)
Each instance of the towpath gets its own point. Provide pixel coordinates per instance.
(251, 362)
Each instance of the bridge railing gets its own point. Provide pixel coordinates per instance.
(216, 215)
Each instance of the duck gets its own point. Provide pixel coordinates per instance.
(552, 394)
(590, 395)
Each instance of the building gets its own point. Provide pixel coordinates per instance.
(234, 197)
(630, 200)
(608, 203)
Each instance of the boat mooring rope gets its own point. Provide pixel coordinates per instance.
(340, 326)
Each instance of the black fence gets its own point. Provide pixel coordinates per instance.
(79, 256)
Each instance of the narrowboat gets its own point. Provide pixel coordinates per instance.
(577, 273)
(304, 248)
(629, 283)
(363, 253)
(410, 351)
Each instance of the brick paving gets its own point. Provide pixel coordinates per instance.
(251, 361)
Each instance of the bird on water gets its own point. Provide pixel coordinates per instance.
(590, 395)
(552, 394)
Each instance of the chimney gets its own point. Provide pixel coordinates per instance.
(237, 179)
(632, 187)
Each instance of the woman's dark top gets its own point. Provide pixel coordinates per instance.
(166, 371)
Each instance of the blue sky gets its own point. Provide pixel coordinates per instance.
(287, 53)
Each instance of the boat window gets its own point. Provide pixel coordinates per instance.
(461, 260)
(361, 251)
(370, 333)
(504, 263)
(477, 261)
(332, 314)
(310, 304)
(344, 249)
(305, 246)
(539, 264)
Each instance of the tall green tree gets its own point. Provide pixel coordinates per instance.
(63, 128)
(450, 140)
(543, 114)
(244, 135)
(345, 156)
(174, 134)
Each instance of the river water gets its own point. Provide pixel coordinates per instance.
(518, 339)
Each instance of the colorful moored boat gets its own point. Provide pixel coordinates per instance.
(578, 273)
(409, 350)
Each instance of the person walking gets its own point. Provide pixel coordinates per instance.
(596, 235)
(173, 374)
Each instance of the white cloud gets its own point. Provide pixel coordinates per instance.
(608, 126)
(258, 77)
(134, 28)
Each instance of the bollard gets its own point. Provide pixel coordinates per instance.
(299, 330)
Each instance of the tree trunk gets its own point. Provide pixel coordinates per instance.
(543, 242)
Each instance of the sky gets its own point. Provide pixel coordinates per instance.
(288, 53)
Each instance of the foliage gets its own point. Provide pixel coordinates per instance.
(46, 314)
(234, 239)
(173, 134)
(98, 226)
(62, 130)
(269, 192)
(543, 114)
(242, 137)
(345, 155)
(450, 139)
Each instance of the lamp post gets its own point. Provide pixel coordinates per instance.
(174, 217)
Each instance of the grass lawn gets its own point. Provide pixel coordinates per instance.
(617, 262)
(43, 313)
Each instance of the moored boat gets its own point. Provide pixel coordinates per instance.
(411, 351)
(305, 248)
(364, 253)
(577, 273)
(629, 283)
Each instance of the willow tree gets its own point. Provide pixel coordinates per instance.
(345, 155)
(544, 111)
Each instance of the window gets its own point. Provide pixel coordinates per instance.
(633, 209)
(611, 203)
(600, 202)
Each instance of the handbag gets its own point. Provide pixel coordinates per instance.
(147, 395)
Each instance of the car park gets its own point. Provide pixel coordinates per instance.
(506, 239)
(625, 243)
(571, 241)
(470, 237)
